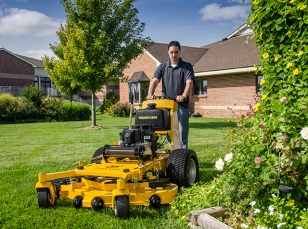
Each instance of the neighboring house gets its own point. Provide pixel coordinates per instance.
(224, 70)
(17, 71)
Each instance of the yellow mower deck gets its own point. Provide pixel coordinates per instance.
(127, 173)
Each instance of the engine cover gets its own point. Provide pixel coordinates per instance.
(159, 119)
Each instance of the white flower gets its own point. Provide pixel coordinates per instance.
(228, 157)
(281, 224)
(219, 164)
(280, 216)
(271, 213)
(257, 211)
(252, 203)
(259, 227)
(299, 228)
(243, 225)
(304, 133)
(271, 208)
(279, 146)
(273, 195)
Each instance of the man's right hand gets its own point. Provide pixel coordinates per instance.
(150, 97)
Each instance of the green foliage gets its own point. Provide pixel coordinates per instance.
(33, 95)
(110, 100)
(278, 212)
(6, 101)
(51, 108)
(73, 112)
(97, 43)
(278, 124)
(119, 110)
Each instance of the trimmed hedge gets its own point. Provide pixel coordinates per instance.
(16, 110)
(74, 112)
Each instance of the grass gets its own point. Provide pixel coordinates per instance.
(30, 148)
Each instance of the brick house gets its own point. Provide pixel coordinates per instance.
(224, 70)
(18, 71)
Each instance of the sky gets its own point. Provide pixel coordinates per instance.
(27, 27)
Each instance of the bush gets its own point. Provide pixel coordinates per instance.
(74, 112)
(279, 126)
(6, 101)
(107, 103)
(33, 95)
(51, 107)
(120, 110)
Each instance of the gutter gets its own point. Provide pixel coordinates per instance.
(226, 72)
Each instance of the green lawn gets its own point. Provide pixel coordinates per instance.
(27, 149)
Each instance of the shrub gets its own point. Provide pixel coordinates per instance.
(6, 101)
(120, 110)
(278, 126)
(51, 107)
(33, 95)
(110, 101)
(74, 112)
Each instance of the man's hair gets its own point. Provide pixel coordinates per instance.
(174, 43)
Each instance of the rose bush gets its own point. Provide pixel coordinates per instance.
(277, 125)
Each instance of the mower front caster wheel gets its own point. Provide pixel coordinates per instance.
(121, 206)
(44, 198)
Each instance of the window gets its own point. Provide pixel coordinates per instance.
(258, 87)
(138, 90)
(43, 82)
(200, 87)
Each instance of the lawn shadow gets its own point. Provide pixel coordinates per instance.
(212, 125)
(207, 172)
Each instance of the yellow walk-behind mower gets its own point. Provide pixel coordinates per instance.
(136, 170)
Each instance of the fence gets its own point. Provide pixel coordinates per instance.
(50, 92)
(16, 91)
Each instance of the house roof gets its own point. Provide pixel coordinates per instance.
(138, 77)
(236, 51)
(38, 63)
(19, 57)
(189, 54)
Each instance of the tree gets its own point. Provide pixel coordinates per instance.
(97, 43)
(58, 69)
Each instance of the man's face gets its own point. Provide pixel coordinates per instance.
(174, 54)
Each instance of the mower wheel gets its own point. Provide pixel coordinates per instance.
(121, 206)
(98, 153)
(183, 167)
(44, 198)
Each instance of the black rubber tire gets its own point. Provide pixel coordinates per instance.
(183, 167)
(98, 153)
(44, 198)
(121, 207)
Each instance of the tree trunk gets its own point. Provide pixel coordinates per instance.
(93, 110)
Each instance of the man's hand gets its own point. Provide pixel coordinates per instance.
(180, 98)
(150, 97)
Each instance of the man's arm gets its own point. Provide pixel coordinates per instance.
(152, 87)
(188, 87)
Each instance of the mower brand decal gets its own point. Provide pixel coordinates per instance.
(148, 117)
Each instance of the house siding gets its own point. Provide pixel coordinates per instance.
(237, 92)
(15, 72)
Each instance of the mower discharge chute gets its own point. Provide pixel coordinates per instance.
(135, 170)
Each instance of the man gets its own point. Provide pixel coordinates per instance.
(177, 80)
